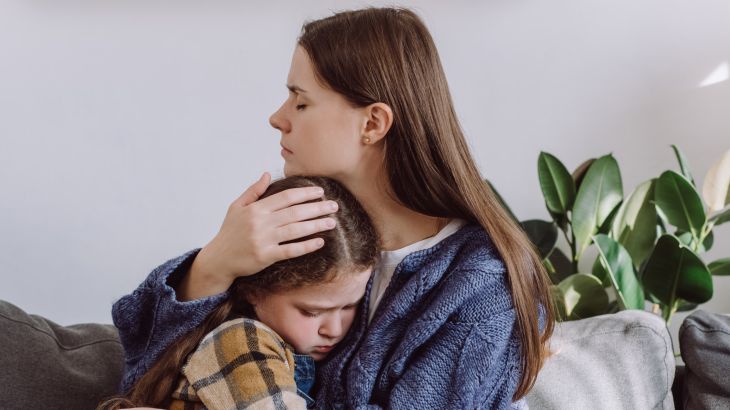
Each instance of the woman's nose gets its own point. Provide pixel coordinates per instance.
(279, 121)
(331, 327)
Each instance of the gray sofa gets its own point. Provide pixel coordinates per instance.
(619, 361)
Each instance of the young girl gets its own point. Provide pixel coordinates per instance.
(459, 314)
(257, 349)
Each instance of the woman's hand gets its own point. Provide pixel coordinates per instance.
(250, 236)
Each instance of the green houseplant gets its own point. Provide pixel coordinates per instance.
(649, 243)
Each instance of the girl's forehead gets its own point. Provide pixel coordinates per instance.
(345, 289)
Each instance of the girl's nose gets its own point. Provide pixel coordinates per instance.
(331, 327)
(279, 121)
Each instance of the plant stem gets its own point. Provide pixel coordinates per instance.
(572, 251)
(699, 240)
(668, 311)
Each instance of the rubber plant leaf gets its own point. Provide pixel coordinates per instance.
(683, 164)
(617, 263)
(686, 239)
(558, 303)
(557, 184)
(561, 263)
(721, 218)
(635, 224)
(598, 195)
(715, 189)
(679, 202)
(720, 267)
(581, 172)
(584, 296)
(542, 234)
(675, 272)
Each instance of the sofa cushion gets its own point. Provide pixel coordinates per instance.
(704, 342)
(618, 361)
(47, 366)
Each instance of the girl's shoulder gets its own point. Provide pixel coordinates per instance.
(240, 361)
(242, 343)
(248, 334)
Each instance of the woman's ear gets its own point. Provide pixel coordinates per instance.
(379, 120)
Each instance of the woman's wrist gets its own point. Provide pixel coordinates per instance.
(204, 278)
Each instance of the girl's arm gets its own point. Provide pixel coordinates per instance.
(242, 364)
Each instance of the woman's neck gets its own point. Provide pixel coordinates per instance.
(397, 226)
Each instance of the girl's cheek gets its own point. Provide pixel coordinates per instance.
(348, 318)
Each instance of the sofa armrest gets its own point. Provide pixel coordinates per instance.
(48, 366)
(618, 361)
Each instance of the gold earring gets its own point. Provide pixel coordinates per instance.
(367, 140)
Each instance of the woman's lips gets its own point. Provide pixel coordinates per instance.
(285, 151)
(324, 349)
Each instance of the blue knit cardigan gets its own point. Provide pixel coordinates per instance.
(443, 336)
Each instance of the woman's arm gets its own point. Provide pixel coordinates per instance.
(485, 376)
(179, 294)
(151, 318)
(463, 366)
(457, 346)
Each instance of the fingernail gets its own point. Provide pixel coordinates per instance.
(334, 206)
(319, 191)
(330, 223)
(319, 242)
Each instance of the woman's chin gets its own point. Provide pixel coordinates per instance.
(291, 169)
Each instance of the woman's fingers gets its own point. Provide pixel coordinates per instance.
(253, 192)
(290, 197)
(303, 212)
(292, 250)
(252, 230)
(298, 230)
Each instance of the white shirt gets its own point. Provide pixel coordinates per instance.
(389, 260)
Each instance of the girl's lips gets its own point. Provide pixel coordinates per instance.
(324, 349)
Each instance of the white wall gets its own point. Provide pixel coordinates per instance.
(127, 127)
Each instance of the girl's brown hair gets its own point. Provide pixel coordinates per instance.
(351, 247)
(387, 55)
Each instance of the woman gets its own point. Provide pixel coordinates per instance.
(458, 312)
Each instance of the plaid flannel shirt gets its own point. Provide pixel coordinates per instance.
(242, 364)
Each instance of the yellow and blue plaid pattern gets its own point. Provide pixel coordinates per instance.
(242, 364)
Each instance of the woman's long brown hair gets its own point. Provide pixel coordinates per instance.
(387, 55)
(351, 247)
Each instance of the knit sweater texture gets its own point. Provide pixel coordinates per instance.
(443, 336)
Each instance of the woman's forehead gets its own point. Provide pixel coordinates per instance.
(301, 74)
